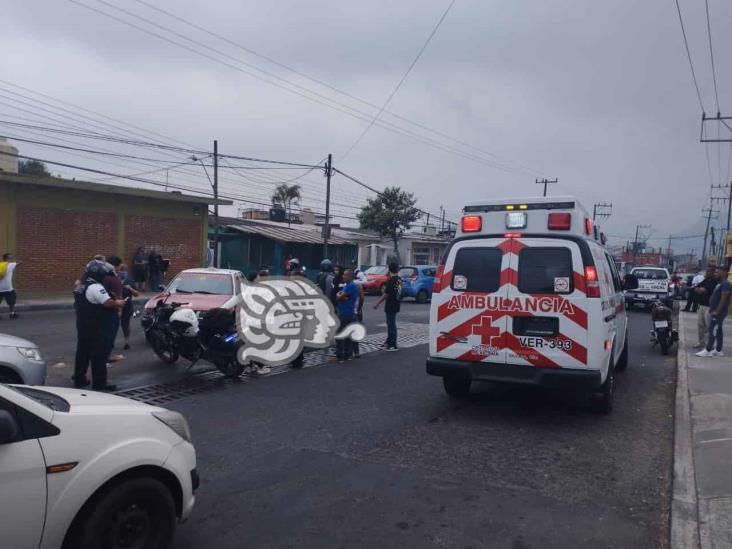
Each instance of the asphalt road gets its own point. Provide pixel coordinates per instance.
(373, 454)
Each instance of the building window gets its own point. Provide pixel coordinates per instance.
(421, 255)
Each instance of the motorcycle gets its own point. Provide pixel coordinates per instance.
(663, 333)
(174, 331)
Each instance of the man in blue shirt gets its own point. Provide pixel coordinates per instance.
(346, 299)
(718, 308)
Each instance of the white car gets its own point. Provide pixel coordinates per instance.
(81, 470)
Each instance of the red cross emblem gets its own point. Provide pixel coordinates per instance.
(485, 330)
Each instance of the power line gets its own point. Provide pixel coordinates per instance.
(327, 85)
(711, 54)
(327, 102)
(399, 84)
(688, 55)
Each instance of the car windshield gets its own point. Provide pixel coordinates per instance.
(201, 283)
(376, 270)
(650, 274)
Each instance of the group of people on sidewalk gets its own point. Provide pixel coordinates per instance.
(103, 303)
(148, 269)
(711, 297)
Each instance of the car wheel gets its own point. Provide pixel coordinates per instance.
(9, 377)
(422, 296)
(456, 387)
(603, 400)
(623, 360)
(138, 513)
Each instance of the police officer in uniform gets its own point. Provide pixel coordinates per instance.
(93, 304)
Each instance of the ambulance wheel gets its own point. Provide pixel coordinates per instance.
(623, 360)
(603, 401)
(456, 387)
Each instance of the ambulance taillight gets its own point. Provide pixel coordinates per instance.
(559, 221)
(588, 226)
(592, 283)
(437, 280)
(471, 223)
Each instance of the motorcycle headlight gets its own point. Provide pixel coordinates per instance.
(31, 353)
(176, 422)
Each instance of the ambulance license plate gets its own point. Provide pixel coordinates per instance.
(661, 323)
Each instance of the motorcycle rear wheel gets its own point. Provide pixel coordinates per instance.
(229, 366)
(664, 342)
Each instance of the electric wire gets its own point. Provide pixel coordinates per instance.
(711, 55)
(330, 86)
(399, 84)
(688, 55)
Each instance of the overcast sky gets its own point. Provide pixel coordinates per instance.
(598, 94)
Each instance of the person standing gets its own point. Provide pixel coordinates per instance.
(294, 268)
(347, 299)
(129, 290)
(690, 303)
(154, 270)
(113, 285)
(139, 268)
(92, 303)
(718, 309)
(702, 292)
(358, 276)
(7, 291)
(392, 294)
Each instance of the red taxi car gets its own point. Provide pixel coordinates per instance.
(201, 289)
(376, 278)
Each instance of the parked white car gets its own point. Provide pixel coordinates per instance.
(21, 361)
(81, 470)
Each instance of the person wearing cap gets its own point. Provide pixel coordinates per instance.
(92, 303)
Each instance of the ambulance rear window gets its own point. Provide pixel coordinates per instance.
(477, 270)
(545, 271)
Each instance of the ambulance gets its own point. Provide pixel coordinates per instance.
(526, 293)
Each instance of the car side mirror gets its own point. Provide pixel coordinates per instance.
(161, 287)
(630, 282)
(8, 427)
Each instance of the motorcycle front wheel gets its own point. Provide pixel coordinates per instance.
(163, 348)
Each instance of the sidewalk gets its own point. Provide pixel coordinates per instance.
(701, 514)
(58, 303)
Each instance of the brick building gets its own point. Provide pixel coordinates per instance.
(54, 226)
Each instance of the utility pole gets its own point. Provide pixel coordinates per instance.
(326, 227)
(708, 213)
(728, 199)
(669, 251)
(442, 220)
(635, 241)
(216, 202)
(602, 209)
(545, 182)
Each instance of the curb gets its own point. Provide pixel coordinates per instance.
(62, 305)
(684, 503)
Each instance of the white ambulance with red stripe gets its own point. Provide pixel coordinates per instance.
(526, 293)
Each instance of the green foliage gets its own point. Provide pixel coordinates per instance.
(390, 214)
(32, 167)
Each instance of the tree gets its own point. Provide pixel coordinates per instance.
(284, 195)
(390, 214)
(32, 167)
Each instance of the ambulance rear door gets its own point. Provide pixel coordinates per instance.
(546, 309)
(467, 321)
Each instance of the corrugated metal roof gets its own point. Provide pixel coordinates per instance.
(284, 234)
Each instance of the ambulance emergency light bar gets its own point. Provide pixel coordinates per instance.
(517, 213)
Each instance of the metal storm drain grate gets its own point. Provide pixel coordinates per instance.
(410, 335)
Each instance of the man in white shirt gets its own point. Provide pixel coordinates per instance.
(7, 293)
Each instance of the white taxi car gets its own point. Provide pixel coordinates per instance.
(654, 283)
(528, 294)
(84, 470)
